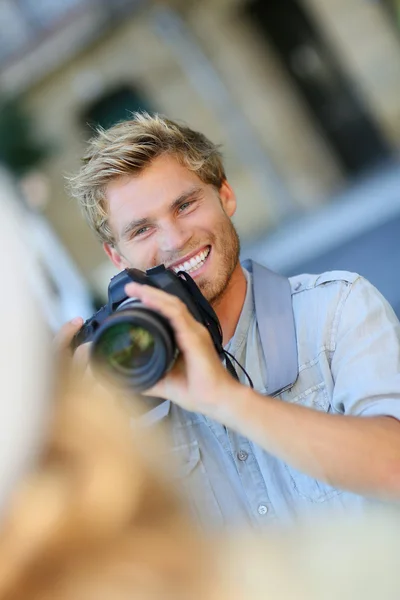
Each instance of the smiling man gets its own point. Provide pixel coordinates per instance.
(169, 216)
(154, 192)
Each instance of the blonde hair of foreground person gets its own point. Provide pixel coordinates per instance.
(87, 516)
(96, 520)
(84, 514)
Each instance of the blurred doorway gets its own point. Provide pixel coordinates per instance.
(337, 112)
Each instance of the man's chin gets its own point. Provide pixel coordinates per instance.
(212, 293)
(205, 286)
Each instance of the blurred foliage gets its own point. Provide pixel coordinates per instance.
(394, 8)
(20, 151)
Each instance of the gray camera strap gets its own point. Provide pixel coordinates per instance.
(275, 318)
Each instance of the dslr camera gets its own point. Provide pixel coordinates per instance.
(135, 344)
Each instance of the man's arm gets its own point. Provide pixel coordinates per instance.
(358, 453)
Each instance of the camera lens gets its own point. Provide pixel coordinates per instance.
(136, 346)
(126, 346)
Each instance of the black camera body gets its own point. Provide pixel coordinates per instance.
(134, 343)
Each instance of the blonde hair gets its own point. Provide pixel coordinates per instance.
(96, 518)
(127, 149)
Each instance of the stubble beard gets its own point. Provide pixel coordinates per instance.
(226, 246)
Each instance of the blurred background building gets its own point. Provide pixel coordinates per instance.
(302, 94)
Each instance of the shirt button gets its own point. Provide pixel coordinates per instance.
(242, 455)
(262, 509)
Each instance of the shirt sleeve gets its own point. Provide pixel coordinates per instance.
(366, 360)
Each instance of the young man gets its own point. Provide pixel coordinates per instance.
(156, 192)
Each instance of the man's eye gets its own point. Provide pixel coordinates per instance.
(184, 206)
(141, 231)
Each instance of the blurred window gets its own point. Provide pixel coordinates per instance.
(115, 106)
(23, 23)
(14, 29)
(43, 14)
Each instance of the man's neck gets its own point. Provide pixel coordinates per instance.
(229, 306)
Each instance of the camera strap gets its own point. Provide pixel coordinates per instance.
(231, 368)
(209, 316)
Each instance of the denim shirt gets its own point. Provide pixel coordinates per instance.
(348, 341)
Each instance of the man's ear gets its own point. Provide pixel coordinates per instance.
(228, 198)
(116, 258)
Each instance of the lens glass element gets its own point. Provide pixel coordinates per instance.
(125, 347)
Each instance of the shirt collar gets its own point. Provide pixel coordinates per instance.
(246, 316)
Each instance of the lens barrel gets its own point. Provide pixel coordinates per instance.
(135, 345)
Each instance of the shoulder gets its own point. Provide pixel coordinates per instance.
(318, 301)
(306, 282)
(330, 292)
(339, 301)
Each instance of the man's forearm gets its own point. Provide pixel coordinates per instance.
(361, 454)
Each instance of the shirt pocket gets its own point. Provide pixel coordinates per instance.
(189, 470)
(308, 489)
(309, 391)
(310, 388)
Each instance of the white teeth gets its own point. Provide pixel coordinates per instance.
(194, 263)
(200, 264)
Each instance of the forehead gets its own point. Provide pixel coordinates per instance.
(150, 192)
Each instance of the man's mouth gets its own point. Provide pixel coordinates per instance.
(194, 263)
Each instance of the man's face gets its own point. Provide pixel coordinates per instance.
(168, 215)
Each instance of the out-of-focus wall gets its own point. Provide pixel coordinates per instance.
(301, 168)
(266, 96)
(368, 47)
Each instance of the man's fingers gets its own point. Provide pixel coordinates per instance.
(167, 304)
(81, 357)
(63, 339)
(171, 307)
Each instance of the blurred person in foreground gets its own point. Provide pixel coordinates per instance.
(156, 192)
(85, 514)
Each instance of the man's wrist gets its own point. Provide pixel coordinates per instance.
(234, 402)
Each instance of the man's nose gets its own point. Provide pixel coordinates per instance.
(173, 238)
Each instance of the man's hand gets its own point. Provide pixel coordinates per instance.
(78, 361)
(198, 381)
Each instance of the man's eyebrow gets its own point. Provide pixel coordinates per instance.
(135, 224)
(194, 191)
(132, 225)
